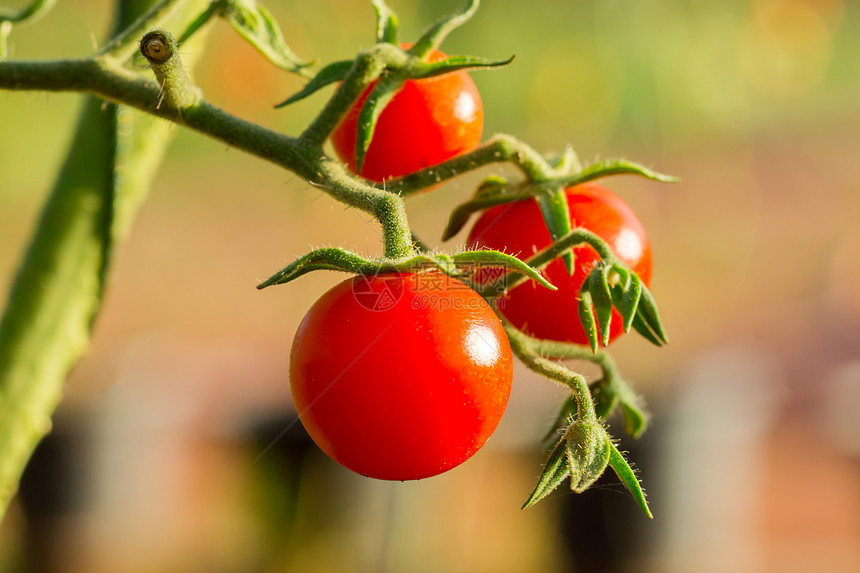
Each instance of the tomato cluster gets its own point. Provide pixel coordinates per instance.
(405, 376)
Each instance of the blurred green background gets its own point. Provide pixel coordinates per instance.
(752, 459)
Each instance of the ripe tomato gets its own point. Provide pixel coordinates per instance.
(400, 376)
(427, 122)
(518, 229)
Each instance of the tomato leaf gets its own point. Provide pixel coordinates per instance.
(386, 23)
(425, 70)
(599, 288)
(333, 72)
(433, 37)
(382, 94)
(628, 477)
(555, 471)
(256, 24)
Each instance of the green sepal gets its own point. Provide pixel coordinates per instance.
(381, 95)
(598, 285)
(327, 258)
(424, 70)
(386, 23)
(636, 306)
(635, 418)
(628, 477)
(588, 450)
(556, 216)
(490, 186)
(611, 167)
(257, 25)
(433, 37)
(555, 471)
(499, 259)
(586, 315)
(604, 398)
(613, 391)
(647, 310)
(337, 259)
(329, 74)
(632, 293)
(645, 331)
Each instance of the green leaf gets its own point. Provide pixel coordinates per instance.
(433, 37)
(332, 73)
(499, 259)
(381, 95)
(555, 471)
(256, 24)
(628, 477)
(598, 285)
(425, 70)
(611, 167)
(386, 23)
(556, 216)
(586, 316)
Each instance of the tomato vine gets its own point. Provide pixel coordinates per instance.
(584, 449)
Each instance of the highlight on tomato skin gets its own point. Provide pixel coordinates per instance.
(427, 122)
(400, 376)
(518, 228)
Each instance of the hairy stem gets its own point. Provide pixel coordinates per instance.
(500, 149)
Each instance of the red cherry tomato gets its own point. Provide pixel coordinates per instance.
(427, 122)
(400, 377)
(519, 229)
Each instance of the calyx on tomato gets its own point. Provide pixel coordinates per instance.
(518, 228)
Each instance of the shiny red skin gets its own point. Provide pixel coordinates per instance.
(402, 393)
(427, 122)
(519, 229)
